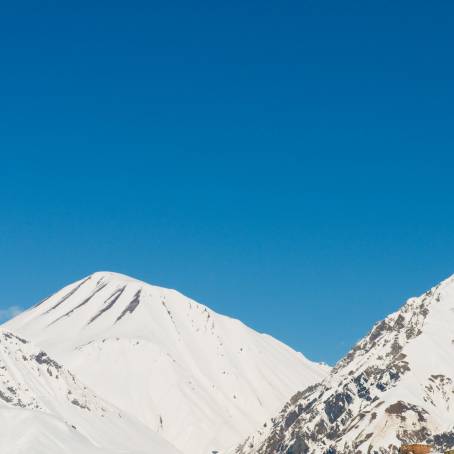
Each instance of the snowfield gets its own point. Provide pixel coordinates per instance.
(27, 431)
(46, 409)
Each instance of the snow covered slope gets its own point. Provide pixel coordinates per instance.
(395, 386)
(27, 431)
(202, 380)
(45, 409)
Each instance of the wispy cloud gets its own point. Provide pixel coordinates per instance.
(9, 312)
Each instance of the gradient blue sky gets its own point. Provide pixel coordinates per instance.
(288, 163)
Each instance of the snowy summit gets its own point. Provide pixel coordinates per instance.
(200, 380)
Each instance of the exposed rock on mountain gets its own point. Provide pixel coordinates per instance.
(395, 386)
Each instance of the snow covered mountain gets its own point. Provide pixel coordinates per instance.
(395, 386)
(44, 409)
(201, 380)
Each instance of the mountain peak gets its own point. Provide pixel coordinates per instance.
(112, 276)
(200, 379)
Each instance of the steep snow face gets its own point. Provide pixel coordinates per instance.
(395, 386)
(202, 380)
(45, 409)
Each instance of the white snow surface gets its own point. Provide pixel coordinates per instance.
(45, 409)
(201, 380)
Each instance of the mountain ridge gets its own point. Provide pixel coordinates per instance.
(395, 386)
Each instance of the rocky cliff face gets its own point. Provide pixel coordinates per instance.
(395, 386)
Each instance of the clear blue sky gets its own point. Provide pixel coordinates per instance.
(288, 163)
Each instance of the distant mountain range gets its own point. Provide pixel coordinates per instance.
(112, 365)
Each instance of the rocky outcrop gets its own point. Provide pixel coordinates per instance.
(394, 387)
